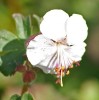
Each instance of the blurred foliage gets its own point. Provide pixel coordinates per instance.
(83, 81)
(25, 96)
(12, 49)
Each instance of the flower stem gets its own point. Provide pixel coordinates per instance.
(24, 89)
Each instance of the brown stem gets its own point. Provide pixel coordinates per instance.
(24, 89)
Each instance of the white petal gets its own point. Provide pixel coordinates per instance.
(53, 24)
(67, 59)
(76, 52)
(76, 29)
(48, 64)
(39, 48)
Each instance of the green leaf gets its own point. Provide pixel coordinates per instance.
(12, 56)
(38, 19)
(23, 26)
(19, 26)
(2, 53)
(15, 97)
(27, 25)
(5, 37)
(27, 96)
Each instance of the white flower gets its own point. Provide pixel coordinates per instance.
(61, 43)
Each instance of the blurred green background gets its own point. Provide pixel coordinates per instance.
(83, 81)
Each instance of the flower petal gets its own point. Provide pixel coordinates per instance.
(48, 65)
(39, 48)
(76, 29)
(53, 24)
(76, 52)
(67, 59)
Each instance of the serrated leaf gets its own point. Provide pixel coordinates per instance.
(19, 26)
(12, 57)
(27, 96)
(15, 97)
(38, 19)
(5, 37)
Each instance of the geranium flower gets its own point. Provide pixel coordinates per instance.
(60, 45)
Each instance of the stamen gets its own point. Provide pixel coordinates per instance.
(62, 68)
(58, 81)
(67, 73)
(77, 63)
(71, 66)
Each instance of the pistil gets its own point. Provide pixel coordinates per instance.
(61, 78)
(60, 72)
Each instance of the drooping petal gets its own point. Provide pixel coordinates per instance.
(53, 24)
(67, 59)
(76, 29)
(75, 52)
(48, 65)
(39, 49)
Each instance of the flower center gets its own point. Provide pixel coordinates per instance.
(60, 73)
(62, 64)
(62, 41)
